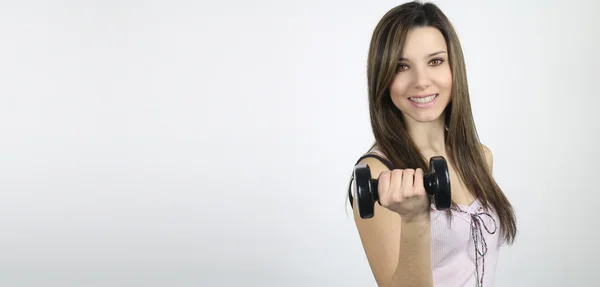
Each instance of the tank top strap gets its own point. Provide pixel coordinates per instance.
(378, 152)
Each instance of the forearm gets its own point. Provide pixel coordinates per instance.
(414, 260)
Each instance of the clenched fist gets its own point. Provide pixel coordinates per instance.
(403, 191)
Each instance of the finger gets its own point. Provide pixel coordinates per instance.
(418, 186)
(408, 182)
(383, 187)
(396, 185)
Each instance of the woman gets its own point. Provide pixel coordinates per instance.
(419, 108)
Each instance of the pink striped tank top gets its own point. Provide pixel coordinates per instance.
(464, 248)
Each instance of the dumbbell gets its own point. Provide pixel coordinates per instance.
(437, 185)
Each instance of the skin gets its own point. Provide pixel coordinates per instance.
(397, 241)
(424, 70)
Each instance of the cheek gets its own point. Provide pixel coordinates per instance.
(445, 79)
(398, 88)
(398, 91)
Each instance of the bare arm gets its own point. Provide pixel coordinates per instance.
(398, 251)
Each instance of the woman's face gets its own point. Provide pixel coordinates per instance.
(422, 86)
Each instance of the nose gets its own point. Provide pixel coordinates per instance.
(422, 79)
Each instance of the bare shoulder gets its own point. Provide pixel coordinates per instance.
(375, 165)
(488, 157)
(380, 234)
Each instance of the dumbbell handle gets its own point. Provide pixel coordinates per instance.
(429, 181)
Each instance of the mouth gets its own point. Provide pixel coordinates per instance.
(425, 99)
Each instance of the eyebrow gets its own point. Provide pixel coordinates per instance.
(428, 56)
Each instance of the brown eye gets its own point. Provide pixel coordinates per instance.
(436, 62)
(402, 67)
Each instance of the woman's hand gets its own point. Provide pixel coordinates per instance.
(403, 191)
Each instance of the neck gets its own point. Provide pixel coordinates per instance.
(428, 136)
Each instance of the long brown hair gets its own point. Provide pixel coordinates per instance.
(462, 142)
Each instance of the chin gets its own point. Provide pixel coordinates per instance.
(424, 117)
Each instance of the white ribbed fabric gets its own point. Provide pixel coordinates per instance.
(464, 247)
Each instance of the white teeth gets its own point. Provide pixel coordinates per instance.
(423, 100)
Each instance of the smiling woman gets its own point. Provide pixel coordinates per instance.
(420, 108)
(423, 82)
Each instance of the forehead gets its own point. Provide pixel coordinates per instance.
(422, 41)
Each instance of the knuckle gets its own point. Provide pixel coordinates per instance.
(419, 190)
(400, 190)
(398, 197)
(384, 175)
(409, 192)
(397, 172)
(384, 202)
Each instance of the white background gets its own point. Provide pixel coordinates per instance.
(187, 143)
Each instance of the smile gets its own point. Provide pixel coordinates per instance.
(424, 100)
